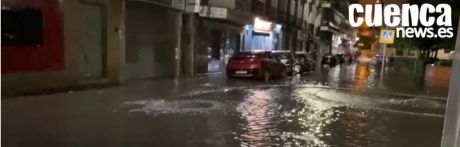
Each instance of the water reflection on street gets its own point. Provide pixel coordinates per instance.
(343, 111)
(342, 106)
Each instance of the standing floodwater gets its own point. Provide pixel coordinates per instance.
(342, 106)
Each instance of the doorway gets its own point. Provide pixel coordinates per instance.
(92, 59)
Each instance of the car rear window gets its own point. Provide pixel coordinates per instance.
(300, 56)
(243, 56)
(282, 55)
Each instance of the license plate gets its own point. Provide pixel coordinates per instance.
(241, 72)
(297, 68)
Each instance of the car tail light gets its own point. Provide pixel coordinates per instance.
(254, 60)
(251, 60)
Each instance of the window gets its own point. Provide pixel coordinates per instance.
(271, 56)
(23, 26)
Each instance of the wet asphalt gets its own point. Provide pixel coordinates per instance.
(344, 106)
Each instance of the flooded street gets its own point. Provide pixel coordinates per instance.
(230, 73)
(340, 107)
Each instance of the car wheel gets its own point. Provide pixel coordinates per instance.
(229, 76)
(284, 74)
(266, 75)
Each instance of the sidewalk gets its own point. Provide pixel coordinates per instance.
(161, 88)
(170, 82)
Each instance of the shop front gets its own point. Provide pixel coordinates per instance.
(216, 41)
(262, 35)
(218, 36)
(151, 45)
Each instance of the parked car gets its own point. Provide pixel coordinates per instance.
(329, 59)
(349, 58)
(287, 58)
(305, 60)
(378, 59)
(340, 58)
(261, 65)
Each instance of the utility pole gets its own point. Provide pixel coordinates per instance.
(382, 69)
(384, 47)
(451, 133)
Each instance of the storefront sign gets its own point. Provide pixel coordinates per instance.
(261, 26)
(192, 6)
(213, 12)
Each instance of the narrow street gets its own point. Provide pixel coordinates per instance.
(230, 73)
(341, 106)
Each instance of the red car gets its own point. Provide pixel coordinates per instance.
(261, 65)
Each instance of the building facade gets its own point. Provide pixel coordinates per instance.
(54, 44)
(86, 42)
(153, 39)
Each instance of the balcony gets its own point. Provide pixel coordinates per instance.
(334, 21)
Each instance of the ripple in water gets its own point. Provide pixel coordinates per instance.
(156, 107)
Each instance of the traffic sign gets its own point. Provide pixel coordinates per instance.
(387, 36)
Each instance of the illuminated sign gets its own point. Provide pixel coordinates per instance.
(261, 26)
